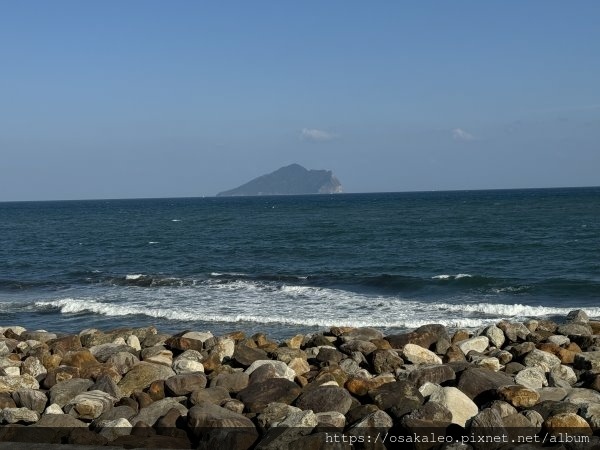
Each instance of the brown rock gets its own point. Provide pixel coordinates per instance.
(64, 344)
(51, 361)
(460, 335)
(101, 370)
(156, 391)
(481, 384)
(245, 355)
(60, 374)
(424, 336)
(567, 423)
(258, 395)
(143, 399)
(454, 354)
(233, 382)
(185, 384)
(182, 344)
(519, 396)
(215, 395)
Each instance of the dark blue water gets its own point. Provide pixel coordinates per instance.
(300, 263)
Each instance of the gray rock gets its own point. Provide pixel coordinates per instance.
(155, 410)
(331, 420)
(477, 344)
(258, 395)
(495, 336)
(514, 331)
(123, 361)
(16, 415)
(281, 368)
(488, 422)
(89, 405)
(233, 382)
(103, 352)
(216, 395)
(437, 374)
(206, 415)
(185, 384)
(556, 394)
(587, 361)
(362, 334)
(324, 399)
(461, 406)
(34, 367)
(481, 384)
(117, 412)
(357, 345)
(419, 355)
(544, 360)
(399, 397)
(591, 413)
(581, 396)
(295, 425)
(273, 414)
(30, 399)
(559, 339)
(63, 392)
(112, 429)
(386, 361)
(578, 316)
(11, 384)
(531, 377)
(575, 329)
(560, 374)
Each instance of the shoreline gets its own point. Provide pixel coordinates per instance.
(508, 383)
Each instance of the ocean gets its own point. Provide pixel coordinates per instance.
(298, 264)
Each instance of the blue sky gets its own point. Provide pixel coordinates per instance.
(114, 99)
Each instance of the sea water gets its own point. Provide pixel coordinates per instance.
(290, 264)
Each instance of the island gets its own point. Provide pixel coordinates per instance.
(289, 180)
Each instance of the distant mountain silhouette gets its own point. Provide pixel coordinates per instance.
(289, 180)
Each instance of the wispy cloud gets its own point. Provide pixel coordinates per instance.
(458, 134)
(314, 135)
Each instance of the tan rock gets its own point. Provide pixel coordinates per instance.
(567, 423)
(519, 396)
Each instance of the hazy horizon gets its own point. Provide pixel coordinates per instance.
(147, 99)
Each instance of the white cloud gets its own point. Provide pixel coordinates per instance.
(312, 134)
(458, 134)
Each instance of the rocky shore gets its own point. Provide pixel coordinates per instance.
(508, 385)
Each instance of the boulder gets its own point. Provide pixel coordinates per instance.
(478, 344)
(31, 399)
(18, 415)
(324, 399)
(587, 361)
(112, 429)
(295, 425)
(425, 336)
(89, 405)
(233, 382)
(215, 395)
(568, 423)
(385, 361)
(63, 392)
(419, 355)
(531, 377)
(519, 396)
(543, 360)
(481, 384)
(142, 375)
(398, 398)
(15, 383)
(495, 335)
(185, 384)
(437, 374)
(461, 406)
(258, 395)
(151, 413)
(281, 370)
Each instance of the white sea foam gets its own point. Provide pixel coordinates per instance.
(135, 276)
(153, 242)
(458, 276)
(175, 220)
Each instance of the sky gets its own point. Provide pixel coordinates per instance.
(114, 99)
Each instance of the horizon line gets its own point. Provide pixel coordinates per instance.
(298, 195)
